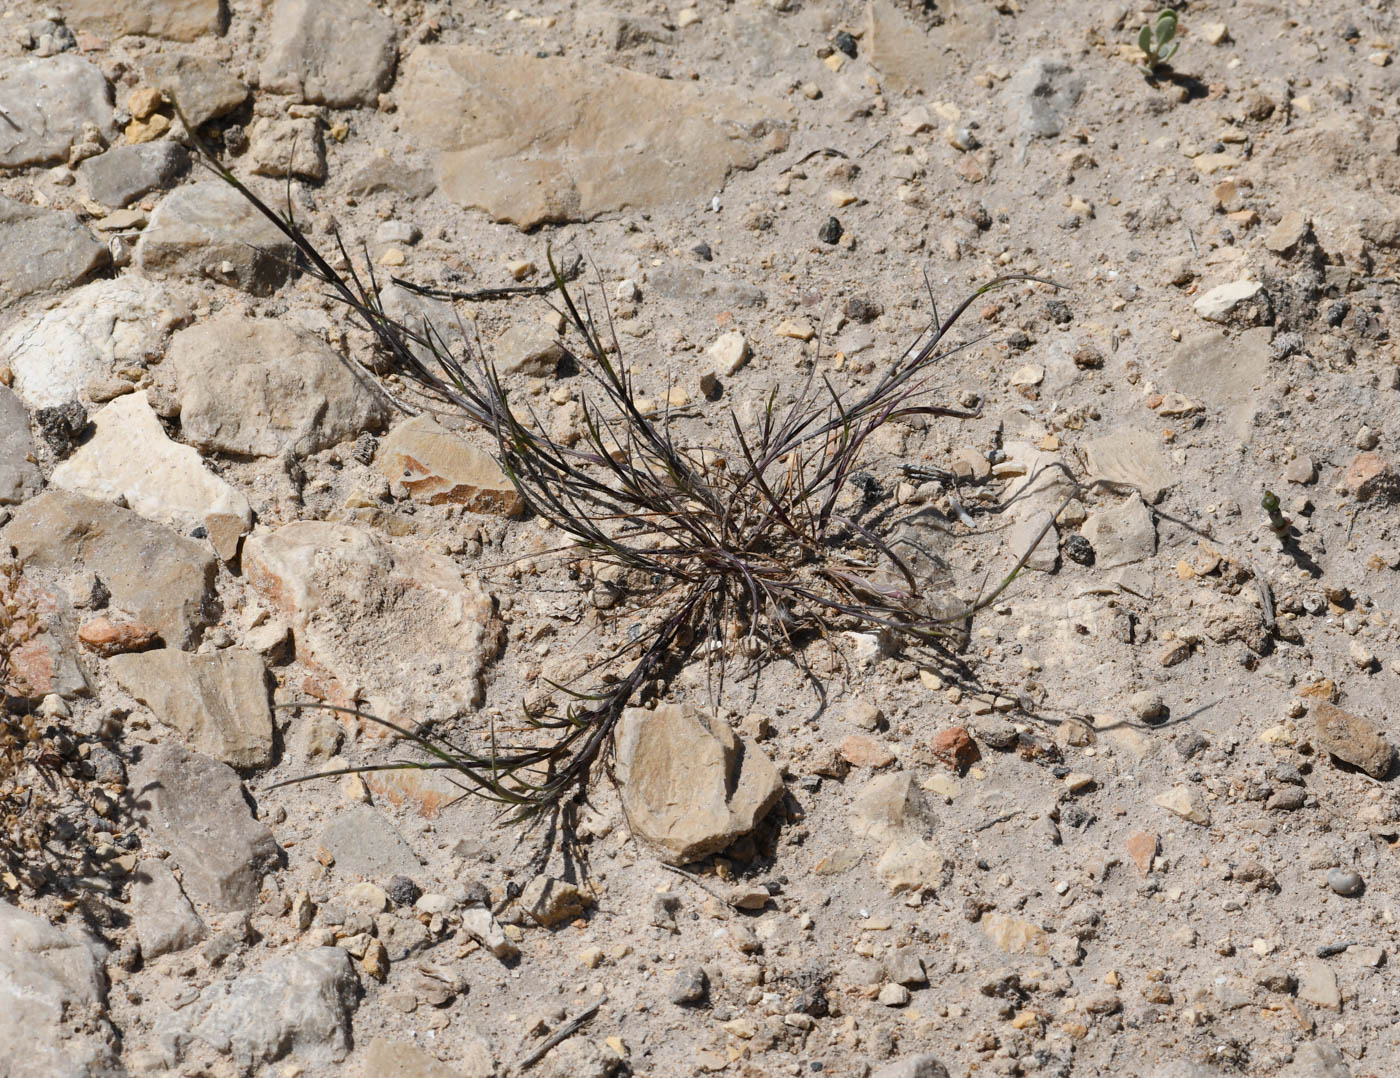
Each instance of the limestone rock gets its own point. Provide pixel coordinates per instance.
(45, 662)
(207, 229)
(1317, 984)
(203, 88)
(1046, 554)
(261, 388)
(153, 574)
(308, 55)
(1355, 740)
(19, 474)
(53, 1022)
(382, 172)
(298, 1004)
(124, 173)
(525, 349)
(620, 31)
(1239, 303)
(174, 20)
(217, 701)
(194, 808)
(1188, 802)
(1288, 233)
(1317, 1059)
(368, 613)
(1123, 535)
(1044, 92)
(889, 806)
(55, 354)
(129, 456)
(287, 148)
(165, 920)
(1133, 458)
(436, 466)
(532, 141)
(907, 55)
(48, 101)
(689, 784)
(913, 864)
(364, 843)
(42, 249)
(1015, 936)
(403, 1059)
(483, 927)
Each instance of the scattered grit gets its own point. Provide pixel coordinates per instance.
(1153, 831)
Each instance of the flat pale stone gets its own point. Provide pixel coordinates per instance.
(207, 229)
(130, 456)
(436, 466)
(259, 387)
(1133, 458)
(889, 806)
(1187, 802)
(309, 56)
(913, 864)
(53, 997)
(1351, 738)
(194, 807)
(57, 353)
(42, 249)
(1015, 936)
(1237, 301)
(19, 473)
(218, 701)
(157, 576)
(1122, 535)
(532, 140)
(165, 920)
(174, 20)
(372, 617)
(203, 88)
(1317, 984)
(688, 783)
(48, 101)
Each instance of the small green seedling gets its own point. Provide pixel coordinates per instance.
(1283, 530)
(1156, 42)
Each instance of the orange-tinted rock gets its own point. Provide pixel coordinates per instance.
(436, 466)
(862, 751)
(1142, 848)
(1369, 476)
(106, 637)
(955, 748)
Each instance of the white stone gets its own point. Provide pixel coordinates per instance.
(55, 354)
(130, 457)
(1219, 304)
(728, 353)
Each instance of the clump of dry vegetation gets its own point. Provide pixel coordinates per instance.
(757, 548)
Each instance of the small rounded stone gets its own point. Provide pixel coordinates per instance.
(1344, 881)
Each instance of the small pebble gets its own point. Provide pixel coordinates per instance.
(831, 232)
(1344, 881)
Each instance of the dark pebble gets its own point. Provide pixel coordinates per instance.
(702, 252)
(402, 891)
(831, 232)
(846, 43)
(1078, 549)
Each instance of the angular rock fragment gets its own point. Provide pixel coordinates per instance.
(48, 101)
(203, 88)
(385, 618)
(1132, 458)
(165, 920)
(194, 808)
(261, 388)
(174, 20)
(1352, 739)
(19, 472)
(689, 785)
(207, 229)
(1121, 536)
(53, 997)
(129, 457)
(155, 575)
(890, 805)
(309, 54)
(1239, 303)
(1044, 92)
(57, 353)
(42, 249)
(363, 843)
(296, 1005)
(124, 173)
(531, 141)
(437, 466)
(218, 702)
